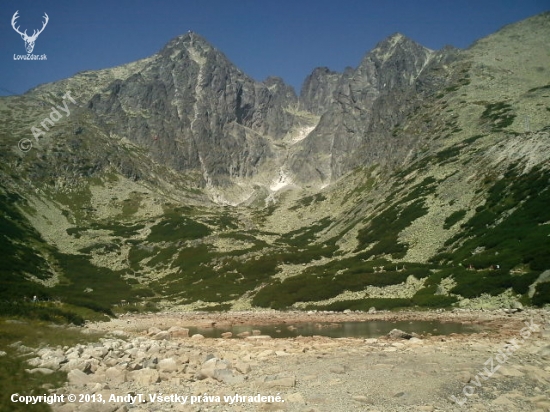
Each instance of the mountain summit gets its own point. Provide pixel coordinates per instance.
(418, 178)
(365, 105)
(195, 111)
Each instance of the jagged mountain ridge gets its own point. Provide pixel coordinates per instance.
(194, 111)
(431, 174)
(366, 105)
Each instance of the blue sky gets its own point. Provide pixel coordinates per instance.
(286, 38)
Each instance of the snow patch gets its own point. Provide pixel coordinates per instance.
(281, 181)
(302, 133)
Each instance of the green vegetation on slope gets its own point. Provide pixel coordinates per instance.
(177, 227)
(511, 228)
(22, 254)
(329, 280)
(506, 243)
(498, 115)
(384, 228)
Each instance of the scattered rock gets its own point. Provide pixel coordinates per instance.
(275, 381)
(258, 337)
(398, 334)
(178, 332)
(242, 367)
(296, 397)
(153, 331)
(164, 335)
(361, 399)
(115, 375)
(516, 305)
(168, 365)
(144, 377)
(464, 377)
(78, 378)
(43, 371)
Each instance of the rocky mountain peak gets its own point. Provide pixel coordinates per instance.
(412, 161)
(278, 87)
(396, 54)
(191, 46)
(359, 107)
(318, 89)
(386, 47)
(187, 40)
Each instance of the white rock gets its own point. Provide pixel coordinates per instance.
(277, 381)
(295, 398)
(265, 353)
(43, 371)
(153, 331)
(115, 375)
(164, 335)
(243, 367)
(258, 337)
(168, 365)
(77, 377)
(144, 377)
(179, 332)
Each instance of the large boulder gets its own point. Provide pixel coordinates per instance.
(167, 365)
(399, 334)
(178, 332)
(164, 335)
(78, 378)
(144, 377)
(115, 375)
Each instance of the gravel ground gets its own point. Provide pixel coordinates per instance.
(504, 367)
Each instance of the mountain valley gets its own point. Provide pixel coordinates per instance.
(420, 178)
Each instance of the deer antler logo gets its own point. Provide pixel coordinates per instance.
(29, 40)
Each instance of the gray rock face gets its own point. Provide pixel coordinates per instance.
(317, 92)
(367, 104)
(194, 110)
(190, 109)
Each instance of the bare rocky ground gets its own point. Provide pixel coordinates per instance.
(506, 367)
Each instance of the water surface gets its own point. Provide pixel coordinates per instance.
(356, 329)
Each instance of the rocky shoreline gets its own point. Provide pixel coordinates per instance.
(148, 362)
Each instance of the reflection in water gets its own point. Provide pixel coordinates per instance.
(360, 329)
